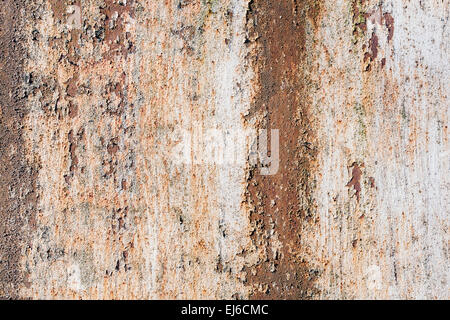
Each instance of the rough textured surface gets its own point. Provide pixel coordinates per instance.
(95, 201)
(17, 195)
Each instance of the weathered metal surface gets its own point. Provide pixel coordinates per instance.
(382, 129)
(99, 100)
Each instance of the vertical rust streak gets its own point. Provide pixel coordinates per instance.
(17, 197)
(282, 203)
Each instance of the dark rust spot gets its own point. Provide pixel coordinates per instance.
(355, 182)
(389, 21)
(373, 51)
(72, 149)
(360, 26)
(373, 46)
(372, 182)
(112, 146)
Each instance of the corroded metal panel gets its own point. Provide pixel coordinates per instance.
(132, 155)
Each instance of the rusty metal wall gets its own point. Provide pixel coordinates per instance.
(99, 200)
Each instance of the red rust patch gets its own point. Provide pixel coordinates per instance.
(17, 177)
(282, 203)
(372, 182)
(389, 21)
(112, 31)
(373, 46)
(358, 24)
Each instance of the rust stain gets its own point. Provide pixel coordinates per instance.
(359, 18)
(355, 182)
(18, 177)
(364, 12)
(372, 182)
(112, 30)
(389, 21)
(112, 146)
(281, 203)
(373, 46)
(59, 8)
(72, 149)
